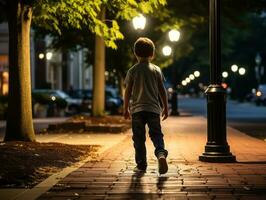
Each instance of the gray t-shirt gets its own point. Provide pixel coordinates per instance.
(145, 94)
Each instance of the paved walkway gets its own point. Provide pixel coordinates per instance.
(110, 176)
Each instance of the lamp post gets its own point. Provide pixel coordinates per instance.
(217, 148)
(234, 82)
(174, 36)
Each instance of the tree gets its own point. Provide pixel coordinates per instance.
(108, 15)
(52, 15)
(19, 117)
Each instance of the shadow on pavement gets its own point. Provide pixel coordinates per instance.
(160, 182)
(136, 190)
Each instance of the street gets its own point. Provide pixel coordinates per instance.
(245, 117)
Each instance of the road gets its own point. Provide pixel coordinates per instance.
(245, 117)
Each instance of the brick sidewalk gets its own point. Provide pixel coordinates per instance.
(111, 176)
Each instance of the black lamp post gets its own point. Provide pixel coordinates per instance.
(217, 148)
(174, 36)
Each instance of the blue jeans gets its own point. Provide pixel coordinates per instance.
(139, 120)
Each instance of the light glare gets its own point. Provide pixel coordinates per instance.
(225, 74)
(167, 50)
(184, 83)
(196, 73)
(242, 71)
(49, 55)
(174, 35)
(41, 55)
(234, 68)
(139, 22)
(191, 77)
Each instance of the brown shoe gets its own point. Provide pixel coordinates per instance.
(162, 164)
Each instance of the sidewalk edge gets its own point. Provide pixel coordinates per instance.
(48, 183)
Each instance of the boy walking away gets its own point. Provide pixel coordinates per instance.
(144, 85)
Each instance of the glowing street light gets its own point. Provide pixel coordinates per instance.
(174, 35)
(139, 22)
(191, 77)
(242, 71)
(167, 50)
(234, 68)
(170, 90)
(225, 74)
(196, 73)
(49, 55)
(41, 56)
(187, 80)
(184, 83)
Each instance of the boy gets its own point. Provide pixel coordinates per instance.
(144, 84)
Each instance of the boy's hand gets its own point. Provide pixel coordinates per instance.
(164, 114)
(126, 114)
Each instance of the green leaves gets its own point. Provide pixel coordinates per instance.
(56, 15)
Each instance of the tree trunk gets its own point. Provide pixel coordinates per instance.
(98, 98)
(19, 117)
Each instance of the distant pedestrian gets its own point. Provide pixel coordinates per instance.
(144, 86)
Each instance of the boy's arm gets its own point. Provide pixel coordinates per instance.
(127, 95)
(163, 96)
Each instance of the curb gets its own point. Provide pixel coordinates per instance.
(96, 128)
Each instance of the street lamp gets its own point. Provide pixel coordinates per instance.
(167, 50)
(216, 148)
(196, 73)
(191, 77)
(174, 35)
(225, 74)
(234, 68)
(139, 22)
(188, 80)
(184, 83)
(49, 55)
(41, 56)
(242, 71)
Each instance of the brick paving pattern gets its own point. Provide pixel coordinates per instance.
(111, 177)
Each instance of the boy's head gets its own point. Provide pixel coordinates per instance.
(144, 48)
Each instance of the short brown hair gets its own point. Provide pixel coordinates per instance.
(144, 47)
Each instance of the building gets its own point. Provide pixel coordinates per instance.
(49, 68)
(3, 58)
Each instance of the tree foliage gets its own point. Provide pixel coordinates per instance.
(55, 16)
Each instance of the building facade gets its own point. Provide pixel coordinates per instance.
(49, 68)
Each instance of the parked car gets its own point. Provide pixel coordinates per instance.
(58, 99)
(113, 102)
(261, 95)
